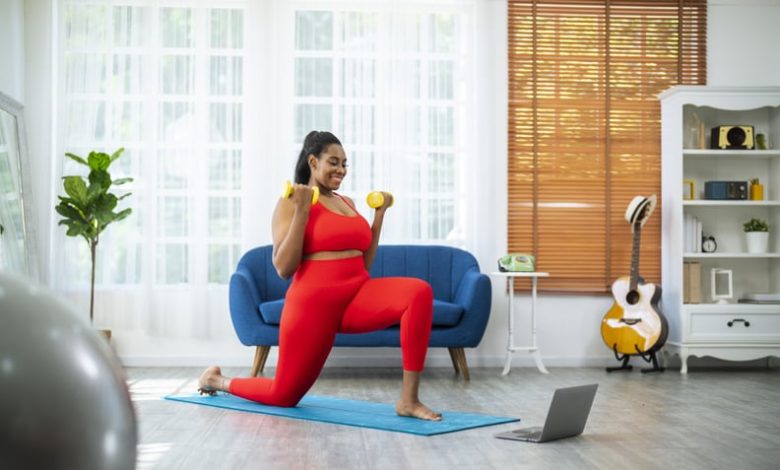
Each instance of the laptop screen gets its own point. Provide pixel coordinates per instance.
(568, 412)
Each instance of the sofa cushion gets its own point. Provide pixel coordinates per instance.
(444, 313)
(271, 311)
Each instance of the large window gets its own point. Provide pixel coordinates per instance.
(209, 97)
(167, 84)
(584, 128)
(393, 84)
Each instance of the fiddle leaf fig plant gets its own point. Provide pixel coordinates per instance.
(756, 225)
(88, 207)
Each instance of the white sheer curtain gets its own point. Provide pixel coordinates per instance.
(393, 81)
(211, 99)
(166, 82)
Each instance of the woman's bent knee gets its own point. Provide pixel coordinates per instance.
(420, 288)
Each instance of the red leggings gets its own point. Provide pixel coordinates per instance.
(337, 296)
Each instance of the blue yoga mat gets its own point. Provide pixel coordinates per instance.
(364, 414)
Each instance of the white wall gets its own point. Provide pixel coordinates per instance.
(25, 75)
(743, 40)
(12, 48)
(743, 43)
(38, 117)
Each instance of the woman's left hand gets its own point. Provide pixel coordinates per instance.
(379, 200)
(388, 201)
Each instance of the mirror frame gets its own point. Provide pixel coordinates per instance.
(16, 109)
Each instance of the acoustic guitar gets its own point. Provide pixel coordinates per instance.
(635, 324)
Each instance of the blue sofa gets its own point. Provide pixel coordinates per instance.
(461, 305)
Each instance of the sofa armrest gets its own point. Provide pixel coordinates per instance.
(244, 303)
(474, 294)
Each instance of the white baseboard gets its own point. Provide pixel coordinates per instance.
(362, 361)
(376, 359)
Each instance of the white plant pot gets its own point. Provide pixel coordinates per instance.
(757, 242)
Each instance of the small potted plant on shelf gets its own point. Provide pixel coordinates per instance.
(756, 235)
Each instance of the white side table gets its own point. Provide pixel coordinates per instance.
(510, 341)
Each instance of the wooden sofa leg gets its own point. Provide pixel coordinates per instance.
(464, 366)
(261, 354)
(458, 356)
(454, 360)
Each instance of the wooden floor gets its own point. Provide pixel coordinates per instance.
(709, 419)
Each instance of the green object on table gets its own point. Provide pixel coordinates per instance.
(516, 262)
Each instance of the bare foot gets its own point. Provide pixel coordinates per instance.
(416, 410)
(210, 381)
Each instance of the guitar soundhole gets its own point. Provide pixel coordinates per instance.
(632, 297)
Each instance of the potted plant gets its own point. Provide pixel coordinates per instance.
(88, 207)
(757, 235)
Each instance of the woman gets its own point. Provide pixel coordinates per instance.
(328, 247)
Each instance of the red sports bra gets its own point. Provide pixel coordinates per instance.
(330, 231)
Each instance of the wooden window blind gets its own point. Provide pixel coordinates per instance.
(584, 129)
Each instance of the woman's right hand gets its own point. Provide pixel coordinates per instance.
(301, 196)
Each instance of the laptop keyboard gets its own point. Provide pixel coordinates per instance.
(530, 432)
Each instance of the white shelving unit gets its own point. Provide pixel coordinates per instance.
(732, 331)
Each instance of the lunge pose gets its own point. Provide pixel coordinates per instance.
(328, 247)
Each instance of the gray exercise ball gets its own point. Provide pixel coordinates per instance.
(64, 402)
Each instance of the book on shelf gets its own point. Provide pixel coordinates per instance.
(692, 234)
(692, 282)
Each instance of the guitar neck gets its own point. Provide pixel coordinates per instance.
(635, 257)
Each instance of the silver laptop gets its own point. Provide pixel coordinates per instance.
(568, 413)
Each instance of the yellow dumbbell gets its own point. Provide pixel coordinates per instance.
(288, 190)
(377, 199)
